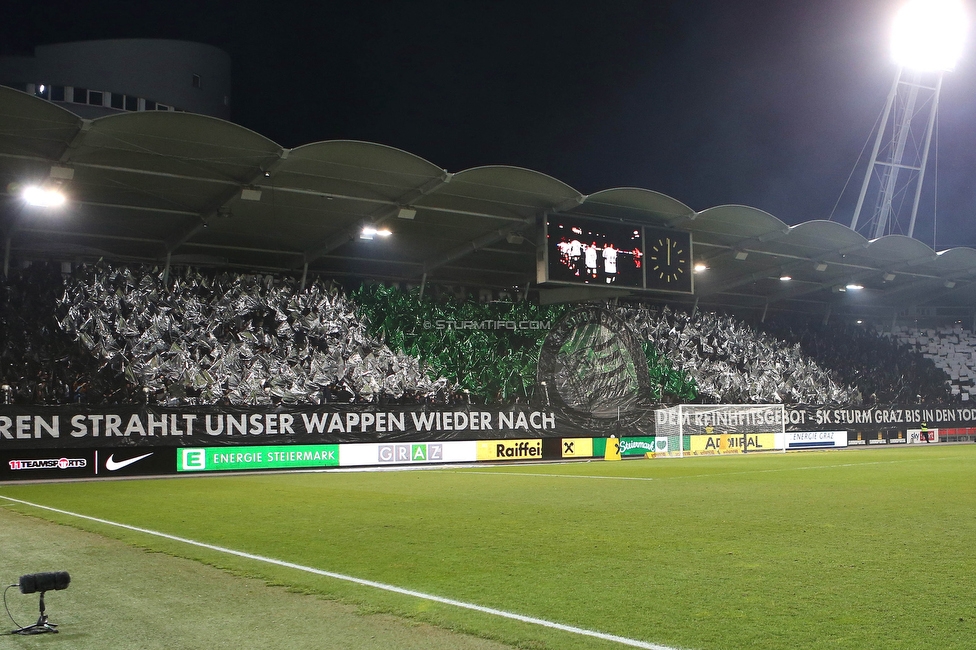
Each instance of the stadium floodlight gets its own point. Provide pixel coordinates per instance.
(369, 232)
(854, 287)
(43, 197)
(785, 278)
(928, 35)
(927, 39)
(701, 266)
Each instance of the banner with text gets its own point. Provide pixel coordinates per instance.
(732, 443)
(65, 427)
(25, 427)
(810, 418)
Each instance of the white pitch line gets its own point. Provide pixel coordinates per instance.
(686, 476)
(634, 643)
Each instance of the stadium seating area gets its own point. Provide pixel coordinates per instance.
(734, 363)
(952, 349)
(237, 339)
(102, 334)
(40, 363)
(882, 370)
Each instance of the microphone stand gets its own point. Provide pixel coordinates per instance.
(41, 626)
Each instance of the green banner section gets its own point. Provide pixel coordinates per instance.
(636, 446)
(599, 447)
(215, 459)
(629, 446)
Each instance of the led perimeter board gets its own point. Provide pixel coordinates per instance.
(578, 251)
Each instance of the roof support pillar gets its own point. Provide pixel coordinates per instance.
(8, 238)
(301, 288)
(826, 315)
(765, 311)
(169, 255)
(6, 254)
(423, 285)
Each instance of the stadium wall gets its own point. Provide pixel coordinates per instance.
(75, 442)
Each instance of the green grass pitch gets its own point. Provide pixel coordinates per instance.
(843, 549)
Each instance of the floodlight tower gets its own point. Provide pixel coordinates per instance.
(927, 41)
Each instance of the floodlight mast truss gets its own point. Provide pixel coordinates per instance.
(928, 37)
(904, 108)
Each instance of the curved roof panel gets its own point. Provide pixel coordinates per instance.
(353, 168)
(31, 126)
(184, 144)
(633, 204)
(501, 192)
(151, 185)
(898, 249)
(956, 264)
(820, 240)
(731, 224)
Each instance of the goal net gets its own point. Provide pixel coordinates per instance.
(712, 429)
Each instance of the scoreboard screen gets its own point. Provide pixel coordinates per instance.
(613, 254)
(583, 251)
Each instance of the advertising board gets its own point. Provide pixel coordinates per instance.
(815, 439)
(731, 443)
(449, 451)
(915, 436)
(510, 449)
(256, 457)
(101, 462)
(577, 447)
(636, 446)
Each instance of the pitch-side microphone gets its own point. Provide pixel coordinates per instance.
(44, 582)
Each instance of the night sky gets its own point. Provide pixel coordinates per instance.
(764, 103)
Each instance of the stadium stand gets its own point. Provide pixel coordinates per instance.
(882, 370)
(733, 363)
(950, 348)
(238, 339)
(102, 334)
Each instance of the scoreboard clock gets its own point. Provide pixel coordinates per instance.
(614, 254)
(669, 261)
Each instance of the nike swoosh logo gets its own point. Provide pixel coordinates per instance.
(111, 465)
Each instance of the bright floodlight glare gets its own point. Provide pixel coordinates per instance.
(928, 35)
(854, 287)
(701, 266)
(43, 197)
(369, 232)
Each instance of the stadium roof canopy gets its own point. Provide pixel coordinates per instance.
(158, 186)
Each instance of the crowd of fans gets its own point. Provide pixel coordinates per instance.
(733, 363)
(951, 348)
(103, 334)
(40, 363)
(235, 339)
(882, 370)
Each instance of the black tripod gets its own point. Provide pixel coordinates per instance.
(42, 625)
